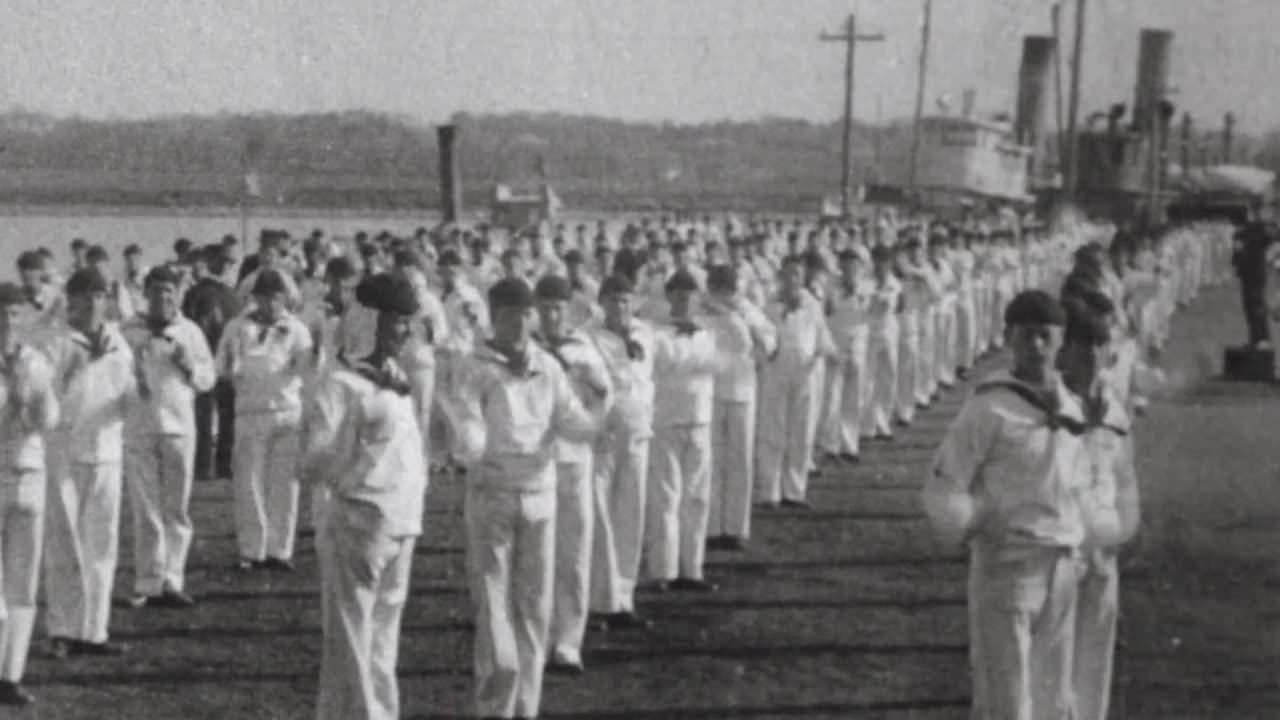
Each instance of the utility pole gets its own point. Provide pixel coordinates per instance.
(1056, 20)
(850, 38)
(924, 64)
(1073, 103)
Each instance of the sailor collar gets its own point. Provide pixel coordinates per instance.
(1061, 408)
(489, 353)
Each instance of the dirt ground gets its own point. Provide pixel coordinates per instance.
(848, 610)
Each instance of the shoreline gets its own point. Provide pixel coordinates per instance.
(211, 212)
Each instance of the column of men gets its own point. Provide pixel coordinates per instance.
(605, 413)
(1036, 476)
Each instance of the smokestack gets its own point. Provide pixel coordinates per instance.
(1186, 142)
(1228, 128)
(1035, 83)
(970, 99)
(450, 181)
(1154, 50)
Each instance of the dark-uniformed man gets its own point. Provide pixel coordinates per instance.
(1249, 259)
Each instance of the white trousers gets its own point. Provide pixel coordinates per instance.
(908, 364)
(265, 485)
(846, 398)
(159, 470)
(1097, 610)
(1000, 297)
(966, 331)
(784, 444)
(82, 540)
(927, 355)
(944, 342)
(575, 523)
(621, 475)
(22, 498)
(1022, 619)
(882, 380)
(733, 431)
(510, 553)
(364, 583)
(679, 501)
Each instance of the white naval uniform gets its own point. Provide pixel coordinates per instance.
(786, 420)
(82, 528)
(944, 322)
(266, 364)
(505, 428)
(622, 465)
(159, 448)
(1111, 515)
(847, 382)
(1006, 480)
(744, 337)
(882, 357)
(966, 330)
(363, 445)
(575, 507)
(679, 491)
(29, 375)
(914, 306)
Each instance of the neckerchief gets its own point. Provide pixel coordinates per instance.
(158, 327)
(1050, 403)
(518, 363)
(280, 326)
(576, 284)
(555, 346)
(685, 326)
(33, 297)
(334, 307)
(1101, 410)
(387, 376)
(635, 351)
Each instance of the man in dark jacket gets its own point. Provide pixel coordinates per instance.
(211, 303)
(1250, 260)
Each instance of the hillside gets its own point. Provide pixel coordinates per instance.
(374, 161)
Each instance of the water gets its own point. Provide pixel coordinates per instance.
(156, 232)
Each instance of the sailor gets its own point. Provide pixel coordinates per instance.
(947, 288)
(211, 304)
(135, 276)
(848, 381)
(265, 354)
(120, 305)
(271, 256)
(786, 420)
(173, 363)
(513, 402)
(362, 444)
(583, 305)
(575, 486)
(680, 457)
(45, 307)
(965, 328)
(30, 410)
(1004, 481)
(744, 337)
(629, 346)
(883, 310)
(911, 312)
(1109, 501)
(94, 374)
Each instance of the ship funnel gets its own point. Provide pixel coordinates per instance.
(967, 102)
(450, 178)
(1035, 85)
(1154, 51)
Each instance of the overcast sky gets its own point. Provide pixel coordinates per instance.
(682, 60)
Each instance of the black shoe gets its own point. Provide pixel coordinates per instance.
(563, 667)
(102, 649)
(172, 599)
(850, 457)
(12, 694)
(815, 473)
(796, 504)
(627, 620)
(734, 544)
(139, 601)
(656, 586)
(902, 423)
(245, 565)
(716, 543)
(885, 437)
(692, 585)
(767, 505)
(60, 647)
(276, 564)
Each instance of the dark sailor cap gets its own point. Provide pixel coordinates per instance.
(510, 293)
(388, 293)
(553, 287)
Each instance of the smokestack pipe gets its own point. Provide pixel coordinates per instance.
(1186, 142)
(450, 180)
(1035, 85)
(1154, 49)
(1228, 129)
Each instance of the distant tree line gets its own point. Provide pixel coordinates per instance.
(369, 160)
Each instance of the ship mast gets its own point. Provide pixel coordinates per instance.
(1073, 103)
(924, 64)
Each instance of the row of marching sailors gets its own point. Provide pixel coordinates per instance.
(1035, 477)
